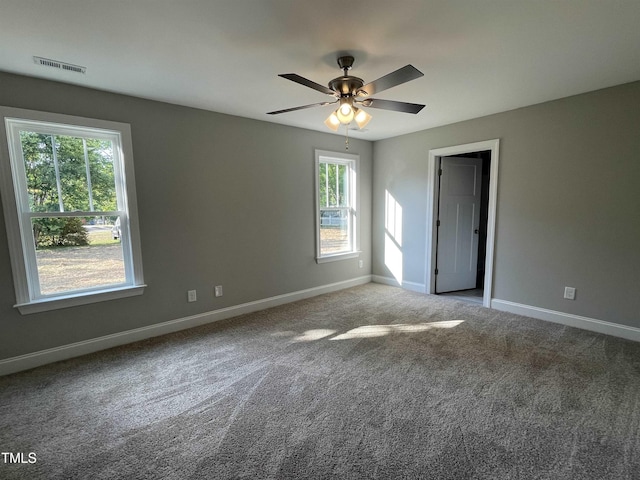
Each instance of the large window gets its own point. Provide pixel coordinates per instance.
(337, 212)
(70, 209)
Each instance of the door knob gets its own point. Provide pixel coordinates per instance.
(475, 231)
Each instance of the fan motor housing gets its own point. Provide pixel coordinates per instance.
(346, 86)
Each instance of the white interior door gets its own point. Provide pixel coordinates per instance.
(459, 216)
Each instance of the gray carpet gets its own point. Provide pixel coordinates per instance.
(369, 382)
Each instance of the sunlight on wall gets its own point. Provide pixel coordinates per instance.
(370, 331)
(393, 236)
(393, 217)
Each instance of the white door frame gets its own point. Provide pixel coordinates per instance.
(432, 205)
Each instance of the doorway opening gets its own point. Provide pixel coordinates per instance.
(462, 211)
(461, 236)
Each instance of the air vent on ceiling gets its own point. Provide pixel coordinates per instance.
(47, 62)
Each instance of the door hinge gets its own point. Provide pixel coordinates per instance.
(436, 271)
(437, 223)
(440, 171)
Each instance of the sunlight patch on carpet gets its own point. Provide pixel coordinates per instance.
(315, 334)
(370, 331)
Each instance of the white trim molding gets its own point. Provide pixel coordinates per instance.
(568, 319)
(64, 352)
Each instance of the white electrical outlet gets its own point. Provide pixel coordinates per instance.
(218, 290)
(360, 263)
(570, 293)
(192, 296)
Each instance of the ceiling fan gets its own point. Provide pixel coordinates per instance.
(351, 91)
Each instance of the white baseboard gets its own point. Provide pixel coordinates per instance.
(585, 323)
(64, 352)
(414, 287)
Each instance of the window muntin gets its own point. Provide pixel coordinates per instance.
(69, 191)
(336, 205)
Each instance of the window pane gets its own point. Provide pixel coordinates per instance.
(334, 231)
(40, 171)
(343, 192)
(322, 184)
(331, 187)
(75, 253)
(73, 173)
(103, 185)
(333, 183)
(71, 180)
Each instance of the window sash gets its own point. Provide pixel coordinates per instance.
(17, 158)
(45, 159)
(31, 253)
(106, 263)
(344, 223)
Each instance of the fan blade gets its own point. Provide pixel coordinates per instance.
(400, 76)
(321, 104)
(393, 105)
(307, 83)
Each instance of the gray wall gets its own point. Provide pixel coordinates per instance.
(568, 208)
(568, 201)
(222, 200)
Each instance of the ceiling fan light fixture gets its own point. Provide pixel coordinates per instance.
(361, 117)
(349, 90)
(345, 112)
(332, 122)
(345, 109)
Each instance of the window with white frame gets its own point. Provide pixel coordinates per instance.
(70, 209)
(337, 206)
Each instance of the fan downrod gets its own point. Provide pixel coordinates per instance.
(345, 63)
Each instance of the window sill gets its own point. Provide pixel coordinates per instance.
(339, 256)
(86, 298)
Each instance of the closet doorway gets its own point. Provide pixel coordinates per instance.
(463, 182)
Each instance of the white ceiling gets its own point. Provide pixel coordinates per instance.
(478, 56)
